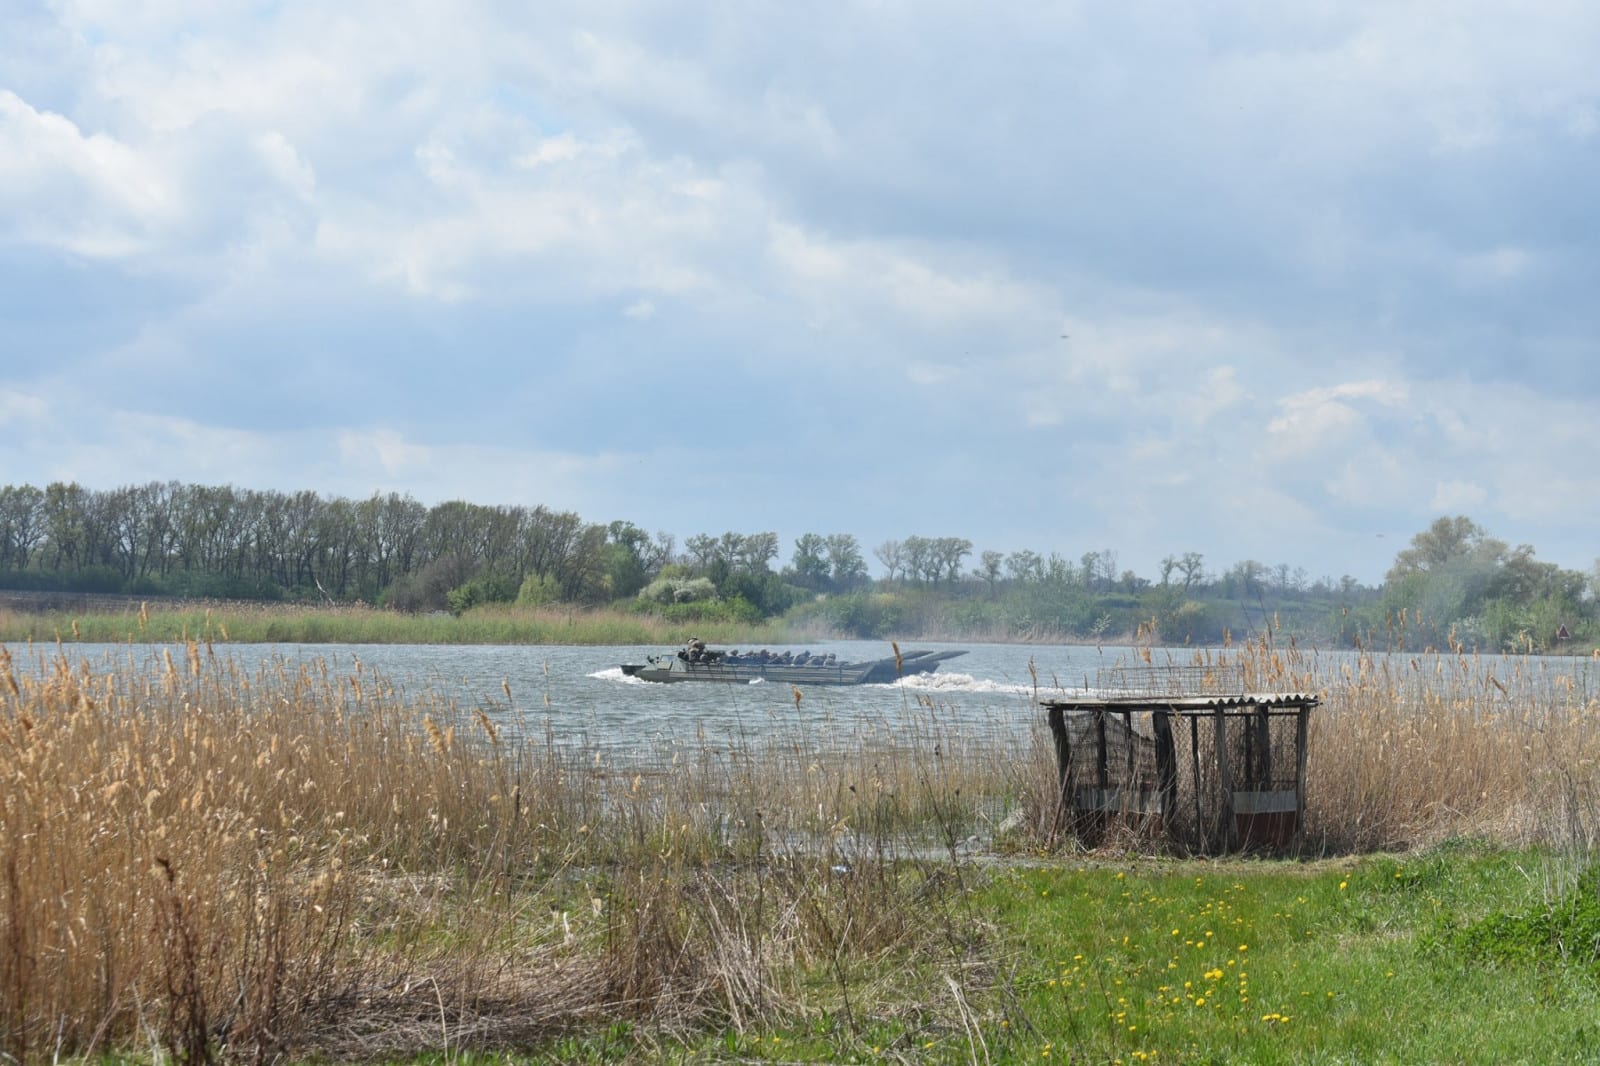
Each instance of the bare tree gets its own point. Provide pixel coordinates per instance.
(891, 553)
(1192, 565)
(989, 566)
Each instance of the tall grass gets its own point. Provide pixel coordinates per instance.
(245, 623)
(203, 860)
(1408, 749)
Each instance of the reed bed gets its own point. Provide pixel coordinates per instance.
(1409, 749)
(1412, 749)
(209, 861)
(201, 861)
(121, 621)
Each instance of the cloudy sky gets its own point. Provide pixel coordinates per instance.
(1271, 282)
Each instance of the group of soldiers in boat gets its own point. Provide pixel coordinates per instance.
(696, 652)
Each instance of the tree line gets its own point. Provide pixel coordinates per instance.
(1454, 584)
(197, 540)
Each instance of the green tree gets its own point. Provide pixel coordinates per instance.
(22, 526)
(1447, 541)
(1440, 585)
(631, 558)
(1024, 566)
(809, 563)
(846, 567)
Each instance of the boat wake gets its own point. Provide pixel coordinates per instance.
(614, 673)
(952, 682)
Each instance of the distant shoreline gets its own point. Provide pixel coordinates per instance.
(119, 618)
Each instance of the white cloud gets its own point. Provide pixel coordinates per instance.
(864, 278)
(384, 448)
(21, 407)
(1372, 479)
(930, 375)
(287, 164)
(562, 148)
(1323, 420)
(1457, 497)
(86, 193)
(1299, 254)
(597, 217)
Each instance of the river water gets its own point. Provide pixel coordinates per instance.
(578, 697)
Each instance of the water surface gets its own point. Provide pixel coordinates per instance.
(577, 696)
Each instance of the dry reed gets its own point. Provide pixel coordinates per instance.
(215, 862)
(218, 862)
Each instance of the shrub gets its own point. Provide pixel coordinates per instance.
(667, 590)
(478, 591)
(537, 591)
(1564, 931)
(1190, 623)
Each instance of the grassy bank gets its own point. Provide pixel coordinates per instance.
(287, 863)
(247, 623)
(1386, 959)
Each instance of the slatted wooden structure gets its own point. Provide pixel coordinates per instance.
(1239, 782)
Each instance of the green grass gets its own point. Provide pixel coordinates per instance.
(1287, 963)
(1360, 961)
(1376, 960)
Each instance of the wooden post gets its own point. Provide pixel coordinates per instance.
(1225, 779)
(1247, 771)
(1095, 823)
(1133, 751)
(1264, 746)
(1100, 750)
(1166, 767)
(1058, 730)
(1194, 755)
(1302, 727)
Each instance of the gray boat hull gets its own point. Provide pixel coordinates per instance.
(671, 668)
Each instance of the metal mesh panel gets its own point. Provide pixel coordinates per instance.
(1141, 680)
(1261, 752)
(1209, 771)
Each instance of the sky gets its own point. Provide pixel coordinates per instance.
(1272, 282)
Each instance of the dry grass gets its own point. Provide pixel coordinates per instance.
(1410, 749)
(205, 861)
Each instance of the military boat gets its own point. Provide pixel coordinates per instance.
(695, 662)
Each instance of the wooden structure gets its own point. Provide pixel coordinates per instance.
(1238, 783)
